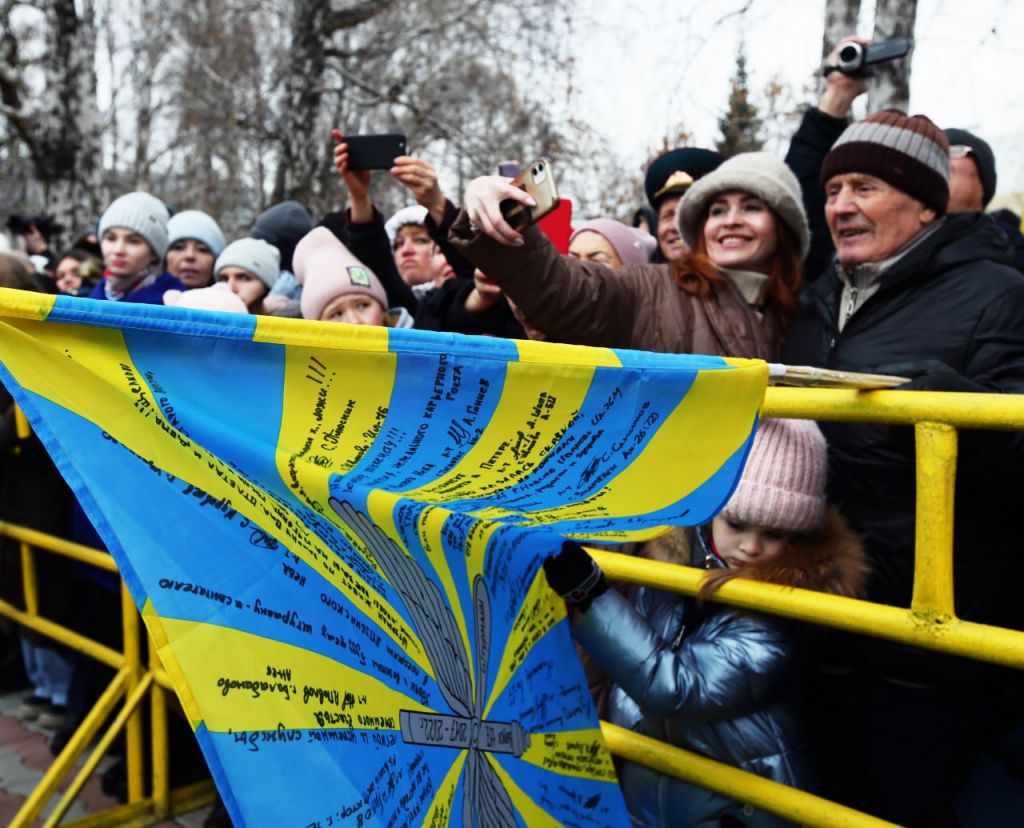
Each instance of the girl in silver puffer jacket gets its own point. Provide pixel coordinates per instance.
(721, 681)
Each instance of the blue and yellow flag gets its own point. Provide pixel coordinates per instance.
(334, 534)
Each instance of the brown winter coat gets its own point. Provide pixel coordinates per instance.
(639, 306)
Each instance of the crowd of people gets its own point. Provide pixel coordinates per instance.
(867, 249)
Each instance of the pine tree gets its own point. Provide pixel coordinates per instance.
(740, 126)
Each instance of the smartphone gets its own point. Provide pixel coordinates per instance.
(374, 152)
(509, 169)
(539, 181)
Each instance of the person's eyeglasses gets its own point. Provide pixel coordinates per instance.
(960, 151)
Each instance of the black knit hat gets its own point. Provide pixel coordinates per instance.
(908, 152)
(983, 157)
(672, 172)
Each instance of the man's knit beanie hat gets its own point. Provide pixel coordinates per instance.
(907, 151)
(783, 482)
(141, 213)
(758, 173)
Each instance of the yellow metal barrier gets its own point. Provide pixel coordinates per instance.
(132, 683)
(929, 622)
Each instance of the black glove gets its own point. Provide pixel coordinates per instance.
(930, 375)
(574, 575)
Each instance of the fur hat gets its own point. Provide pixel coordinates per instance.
(327, 269)
(633, 245)
(906, 151)
(983, 157)
(758, 173)
(218, 297)
(672, 172)
(413, 214)
(256, 256)
(195, 224)
(141, 213)
(783, 482)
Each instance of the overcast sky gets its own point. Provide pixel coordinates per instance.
(645, 68)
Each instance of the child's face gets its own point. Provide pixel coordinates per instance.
(125, 252)
(739, 544)
(354, 308)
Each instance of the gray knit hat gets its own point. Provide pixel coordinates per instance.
(141, 213)
(195, 224)
(258, 257)
(783, 482)
(758, 173)
(906, 151)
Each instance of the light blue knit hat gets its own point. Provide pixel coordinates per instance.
(258, 257)
(195, 224)
(141, 213)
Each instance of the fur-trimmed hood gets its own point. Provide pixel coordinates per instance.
(831, 559)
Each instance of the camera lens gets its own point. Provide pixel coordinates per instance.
(850, 57)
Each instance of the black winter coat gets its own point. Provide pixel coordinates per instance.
(954, 298)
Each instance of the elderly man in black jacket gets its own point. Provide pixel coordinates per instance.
(917, 293)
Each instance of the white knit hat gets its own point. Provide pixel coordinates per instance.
(218, 297)
(327, 269)
(141, 213)
(258, 257)
(783, 483)
(758, 173)
(195, 224)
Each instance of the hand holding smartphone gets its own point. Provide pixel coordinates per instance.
(539, 182)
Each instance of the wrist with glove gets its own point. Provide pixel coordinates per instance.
(575, 576)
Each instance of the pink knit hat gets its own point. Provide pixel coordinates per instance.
(327, 269)
(633, 245)
(783, 483)
(215, 298)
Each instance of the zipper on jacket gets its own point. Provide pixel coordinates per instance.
(852, 306)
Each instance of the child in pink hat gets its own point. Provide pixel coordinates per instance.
(337, 287)
(710, 678)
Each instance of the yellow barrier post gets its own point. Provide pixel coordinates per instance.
(159, 753)
(98, 753)
(933, 539)
(62, 765)
(28, 580)
(133, 662)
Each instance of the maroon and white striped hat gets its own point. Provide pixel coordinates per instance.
(907, 151)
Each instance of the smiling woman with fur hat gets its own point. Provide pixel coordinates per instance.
(734, 294)
(718, 680)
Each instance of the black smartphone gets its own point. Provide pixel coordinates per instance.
(538, 181)
(374, 152)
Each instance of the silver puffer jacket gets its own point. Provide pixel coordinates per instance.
(719, 681)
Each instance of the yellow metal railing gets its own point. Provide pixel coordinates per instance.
(929, 622)
(132, 683)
